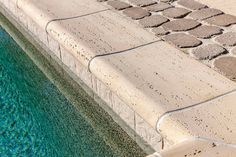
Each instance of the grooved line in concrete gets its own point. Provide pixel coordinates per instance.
(213, 141)
(189, 108)
(17, 4)
(122, 51)
(199, 138)
(73, 17)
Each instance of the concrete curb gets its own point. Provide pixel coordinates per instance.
(122, 114)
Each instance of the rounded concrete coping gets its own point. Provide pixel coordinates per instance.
(198, 147)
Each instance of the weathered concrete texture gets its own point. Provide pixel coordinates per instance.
(181, 25)
(198, 148)
(176, 12)
(162, 83)
(226, 65)
(101, 33)
(153, 21)
(205, 31)
(192, 4)
(159, 7)
(147, 132)
(213, 120)
(44, 11)
(182, 40)
(136, 13)
(227, 39)
(205, 13)
(222, 20)
(209, 51)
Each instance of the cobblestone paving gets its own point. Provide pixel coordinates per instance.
(206, 34)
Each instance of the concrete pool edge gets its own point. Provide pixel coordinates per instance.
(105, 126)
(71, 75)
(106, 92)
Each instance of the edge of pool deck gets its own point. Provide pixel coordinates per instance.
(168, 98)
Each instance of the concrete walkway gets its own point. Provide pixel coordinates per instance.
(163, 94)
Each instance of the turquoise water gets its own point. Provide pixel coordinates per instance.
(36, 119)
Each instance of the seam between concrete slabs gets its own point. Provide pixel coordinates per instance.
(73, 17)
(123, 51)
(162, 117)
(111, 53)
(17, 4)
(199, 138)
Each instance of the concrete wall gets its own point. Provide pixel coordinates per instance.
(145, 135)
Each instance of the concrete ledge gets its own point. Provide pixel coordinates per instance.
(203, 121)
(157, 82)
(134, 125)
(141, 78)
(198, 148)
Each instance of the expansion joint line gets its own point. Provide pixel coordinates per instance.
(199, 138)
(73, 17)
(122, 51)
(204, 139)
(162, 117)
(17, 4)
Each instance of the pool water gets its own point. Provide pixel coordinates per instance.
(36, 119)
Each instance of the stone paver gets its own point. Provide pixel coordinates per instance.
(142, 3)
(205, 13)
(159, 31)
(153, 21)
(159, 7)
(205, 31)
(222, 20)
(227, 65)
(209, 51)
(227, 39)
(181, 25)
(136, 13)
(118, 5)
(176, 12)
(192, 4)
(183, 40)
